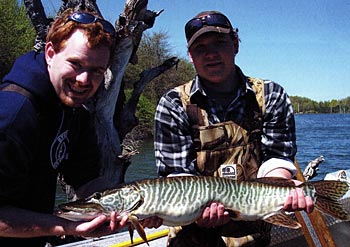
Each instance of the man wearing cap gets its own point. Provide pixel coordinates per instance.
(46, 130)
(223, 123)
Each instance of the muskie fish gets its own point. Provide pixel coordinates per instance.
(180, 200)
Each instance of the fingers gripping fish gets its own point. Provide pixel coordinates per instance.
(180, 200)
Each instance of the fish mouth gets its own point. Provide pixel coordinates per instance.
(77, 212)
(77, 216)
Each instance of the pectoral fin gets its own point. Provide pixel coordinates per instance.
(281, 219)
(139, 228)
(131, 229)
(234, 214)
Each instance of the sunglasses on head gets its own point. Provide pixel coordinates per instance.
(216, 20)
(87, 18)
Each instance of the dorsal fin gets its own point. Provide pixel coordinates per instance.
(277, 181)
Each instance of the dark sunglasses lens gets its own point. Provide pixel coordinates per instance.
(107, 26)
(192, 27)
(84, 18)
(211, 20)
(217, 20)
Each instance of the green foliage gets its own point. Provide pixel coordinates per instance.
(16, 33)
(153, 50)
(305, 105)
(145, 113)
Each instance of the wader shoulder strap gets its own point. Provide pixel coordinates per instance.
(196, 115)
(184, 93)
(258, 86)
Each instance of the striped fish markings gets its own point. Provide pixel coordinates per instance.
(181, 200)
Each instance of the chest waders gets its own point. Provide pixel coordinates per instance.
(230, 150)
(227, 149)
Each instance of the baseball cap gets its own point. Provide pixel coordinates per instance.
(204, 22)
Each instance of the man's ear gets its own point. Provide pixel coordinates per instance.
(235, 45)
(190, 56)
(49, 52)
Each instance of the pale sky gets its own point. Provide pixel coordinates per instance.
(304, 45)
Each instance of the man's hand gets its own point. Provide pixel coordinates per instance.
(298, 201)
(214, 215)
(100, 226)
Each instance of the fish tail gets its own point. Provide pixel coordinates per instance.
(331, 189)
(328, 194)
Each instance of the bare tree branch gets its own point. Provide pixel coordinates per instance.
(134, 20)
(36, 13)
(126, 119)
(89, 5)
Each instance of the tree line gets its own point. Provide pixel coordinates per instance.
(306, 105)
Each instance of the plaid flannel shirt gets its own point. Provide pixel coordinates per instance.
(173, 144)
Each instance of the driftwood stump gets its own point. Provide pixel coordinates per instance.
(311, 169)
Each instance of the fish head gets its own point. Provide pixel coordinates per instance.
(121, 200)
(83, 209)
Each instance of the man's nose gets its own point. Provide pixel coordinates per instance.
(211, 50)
(83, 76)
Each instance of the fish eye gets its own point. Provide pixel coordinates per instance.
(97, 195)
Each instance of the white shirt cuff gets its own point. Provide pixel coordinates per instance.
(275, 163)
(179, 174)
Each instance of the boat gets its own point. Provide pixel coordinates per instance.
(280, 236)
